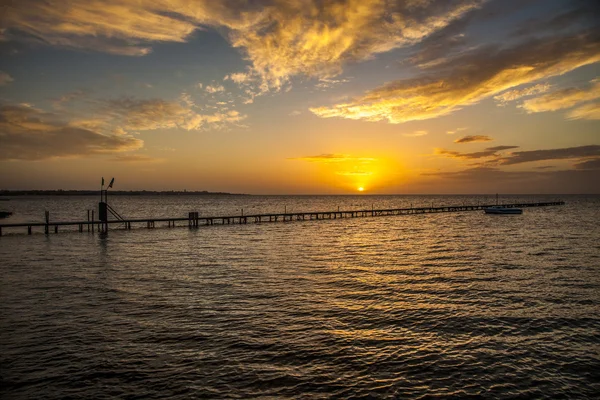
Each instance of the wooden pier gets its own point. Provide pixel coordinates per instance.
(194, 220)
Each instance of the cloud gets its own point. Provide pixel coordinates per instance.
(452, 132)
(325, 83)
(280, 38)
(592, 164)
(454, 38)
(150, 114)
(186, 98)
(416, 134)
(334, 158)
(488, 152)
(469, 78)
(316, 38)
(480, 174)
(501, 148)
(295, 113)
(135, 158)
(562, 99)
(580, 152)
(467, 156)
(214, 88)
(473, 138)
(125, 27)
(484, 179)
(239, 77)
(581, 13)
(354, 173)
(5, 78)
(60, 101)
(516, 94)
(587, 158)
(586, 111)
(31, 134)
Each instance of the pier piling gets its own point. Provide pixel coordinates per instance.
(194, 219)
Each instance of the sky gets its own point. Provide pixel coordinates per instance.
(301, 97)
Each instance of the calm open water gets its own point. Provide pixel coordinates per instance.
(424, 306)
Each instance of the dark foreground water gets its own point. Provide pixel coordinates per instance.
(426, 306)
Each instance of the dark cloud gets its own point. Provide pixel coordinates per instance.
(593, 164)
(488, 152)
(473, 138)
(580, 152)
(581, 13)
(466, 156)
(494, 180)
(454, 38)
(5, 78)
(501, 148)
(442, 42)
(30, 134)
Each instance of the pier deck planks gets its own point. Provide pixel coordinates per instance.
(270, 217)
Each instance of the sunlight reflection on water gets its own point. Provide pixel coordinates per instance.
(447, 304)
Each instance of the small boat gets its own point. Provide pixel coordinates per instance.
(502, 210)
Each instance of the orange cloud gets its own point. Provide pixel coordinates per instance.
(280, 38)
(31, 134)
(149, 114)
(119, 27)
(586, 111)
(516, 94)
(315, 38)
(468, 79)
(562, 99)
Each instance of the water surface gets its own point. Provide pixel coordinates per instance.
(437, 305)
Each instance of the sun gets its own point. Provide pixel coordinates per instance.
(361, 189)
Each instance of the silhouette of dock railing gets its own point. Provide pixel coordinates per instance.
(194, 220)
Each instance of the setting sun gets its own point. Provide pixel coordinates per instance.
(361, 189)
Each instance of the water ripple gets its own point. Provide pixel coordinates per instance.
(407, 307)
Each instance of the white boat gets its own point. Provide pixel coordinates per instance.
(502, 210)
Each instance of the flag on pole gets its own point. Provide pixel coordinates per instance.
(111, 182)
(102, 181)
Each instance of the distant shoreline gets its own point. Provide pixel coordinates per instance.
(113, 193)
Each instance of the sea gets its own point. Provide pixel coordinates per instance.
(448, 305)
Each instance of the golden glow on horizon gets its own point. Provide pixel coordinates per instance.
(361, 189)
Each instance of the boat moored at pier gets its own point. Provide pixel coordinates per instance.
(502, 210)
